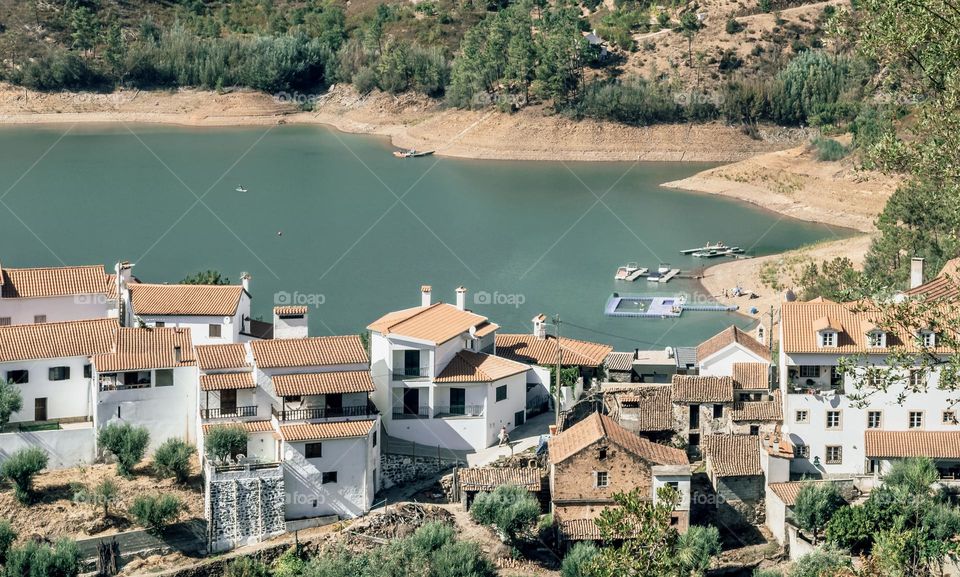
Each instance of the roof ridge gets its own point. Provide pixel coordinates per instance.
(73, 322)
(102, 267)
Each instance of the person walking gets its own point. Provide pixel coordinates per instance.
(503, 436)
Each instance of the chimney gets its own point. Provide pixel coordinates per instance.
(124, 274)
(245, 281)
(916, 272)
(425, 295)
(290, 322)
(177, 354)
(462, 298)
(540, 326)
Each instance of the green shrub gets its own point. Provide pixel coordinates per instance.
(765, 5)
(696, 549)
(461, 559)
(577, 560)
(829, 149)
(42, 560)
(172, 459)
(100, 495)
(11, 401)
(432, 537)
(766, 573)
(7, 537)
(734, 26)
(125, 442)
(21, 467)
(155, 512)
(225, 441)
(510, 508)
(815, 505)
(823, 561)
(246, 567)
(290, 564)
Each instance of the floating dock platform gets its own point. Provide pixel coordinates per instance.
(655, 306)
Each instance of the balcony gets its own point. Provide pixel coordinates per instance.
(409, 373)
(312, 413)
(116, 385)
(440, 411)
(409, 413)
(229, 412)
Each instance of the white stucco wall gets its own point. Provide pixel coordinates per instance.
(666, 475)
(66, 447)
(57, 309)
(65, 399)
(776, 515)
(720, 364)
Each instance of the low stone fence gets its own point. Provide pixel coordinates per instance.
(401, 469)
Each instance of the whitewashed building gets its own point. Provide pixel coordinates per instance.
(437, 379)
(56, 294)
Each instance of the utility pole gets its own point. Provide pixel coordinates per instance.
(770, 350)
(556, 324)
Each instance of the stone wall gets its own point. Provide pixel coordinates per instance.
(244, 506)
(400, 469)
(574, 478)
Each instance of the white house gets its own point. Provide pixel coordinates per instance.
(720, 354)
(834, 436)
(56, 294)
(437, 379)
(149, 378)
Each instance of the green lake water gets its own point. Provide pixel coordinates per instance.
(532, 235)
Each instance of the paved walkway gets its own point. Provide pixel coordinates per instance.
(524, 437)
(188, 538)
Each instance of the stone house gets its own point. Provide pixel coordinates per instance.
(620, 368)
(644, 409)
(596, 458)
(734, 469)
(701, 407)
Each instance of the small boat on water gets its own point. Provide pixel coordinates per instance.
(630, 272)
(412, 153)
(240, 189)
(720, 245)
(712, 253)
(653, 277)
(664, 268)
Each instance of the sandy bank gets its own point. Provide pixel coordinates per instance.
(410, 121)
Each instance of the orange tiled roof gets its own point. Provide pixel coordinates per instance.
(654, 410)
(262, 426)
(757, 411)
(328, 430)
(620, 361)
(471, 367)
(291, 311)
(57, 340)
(227, 381)
(485, 328)
(309, 352)
(597, 427)
(54, 281)
(530, 349)
(185, 299)
(701, 389)
(217, 357)
(788, 490)
(147, 348)
(489, 478)
(750, 376)
(323, 383)
(902, 444)
(729, 336)
(437, 323)
(945, 286)
(733, 455)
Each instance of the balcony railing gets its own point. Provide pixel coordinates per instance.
(112, 385)
(403, 373)
(409, 413)
(458, 411)
(221, 413)
(311, 413)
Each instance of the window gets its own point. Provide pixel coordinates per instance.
(873, 466)
(214, 331)
(164, 378)
(876, 339)
(674, 520)
(87, 371)
(915, 420)
(5, 321)
(833, 419)
(39, 319)
(834, 455)
(160, 324)
(918, 377)
(328, 477)
(810, 371)
(374, 438)
(19, 377)
(602, 454)
(501, 393)
(602, 479)
(59, 373)
(801, 417)
(928, 339)
(313, 450)
(675, 485)
(137, 378)
(801, 451)
(754, 429)
(874, 419)
(718, 411)
(949, 418)
(828, 339)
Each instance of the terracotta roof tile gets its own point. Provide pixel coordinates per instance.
(309, 352)
(57, 340)
(227, 381)
(323, 383)
(437, 323)
(729, 336)
(54, 281)
(484, 329)
(788, 491)
(262, 426)
(757, 411)
(471, 367)
(751, 376)
(620, 361)
(185, 299)
(902, 444)
(654, 409)
(530, 349)
(328, 430)
(701, 389)
(217, 357)
(944, 286)
(147, 348)
(597, 427)
(733, 455)
(291, 311)
(489, 478)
